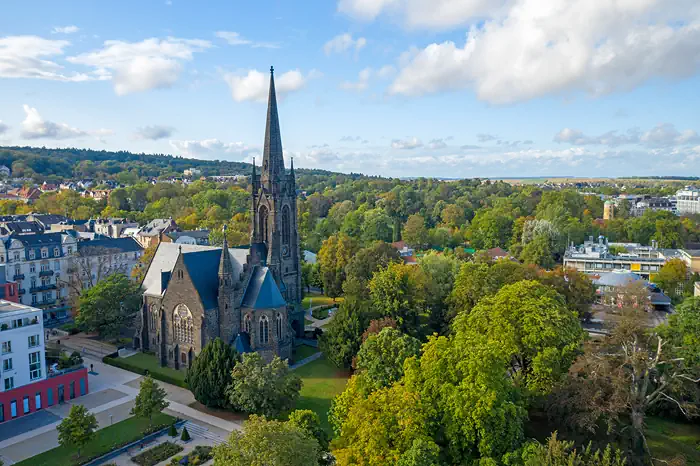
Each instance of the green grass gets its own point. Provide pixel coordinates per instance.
(307, 322)
(318, 300)
(322, 381)
(142, 362)
(303, 352)
(320, 314)
(107, 439)
(667, 439)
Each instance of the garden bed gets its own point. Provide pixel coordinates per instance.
(141, 363)
(155, 455)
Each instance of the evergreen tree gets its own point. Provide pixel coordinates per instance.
(150, 400)
(210, 373)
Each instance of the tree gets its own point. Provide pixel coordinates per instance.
(539, 251)
(371, 259)
(139, 271)
(381, 357)
(491, 228)
(308, 421)
(185, 436)
(453, 216)
(336, 252)
(109, 305)
(562, 453)
(150, 400)
(210, 373)
(414, 232)
(672, 278)
(77, 429)
(269, 443)
(376, 226)
(259, 388)
(400, 292)
(441, 270)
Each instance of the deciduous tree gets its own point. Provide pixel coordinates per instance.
(109, 305)
(150, 400)
(78, 428)
(381, 357)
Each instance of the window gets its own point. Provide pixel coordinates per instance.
(7, 364)
(2, 258)
(56, 252)
(25, 404)
(18, 271)
(34, 365)
(183, 358)
(44, 253)
(279, 327)
(246, 324)
(57, 265)
(45, 281)
(6, 347)
(9, 383)
(37, 400)
(70, 249)
(286, 229)
(16, 255)
(34, 299)
(264, 330)
(32, 254)
(32, 268)
(183, 324)
(33, 341)
(44, 267)
(2, 413)
(154, 317)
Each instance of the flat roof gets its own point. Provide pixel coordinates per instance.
(8, 307)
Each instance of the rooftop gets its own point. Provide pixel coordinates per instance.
(8, 308)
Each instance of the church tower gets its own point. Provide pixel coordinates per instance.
(229, 317)
(274, 209)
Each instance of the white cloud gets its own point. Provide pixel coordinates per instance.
(485, 137)
(35, 127)
(362, 82)
(529, 49)
(662, 135)
(213, 149)
(65, 30)
(255, 84)
(234, 38)
(154, 132)
(27, 57)
(406, 144)
(666, 134)
(3, 127)
(436, 144)
(140, 66)
(344, 42)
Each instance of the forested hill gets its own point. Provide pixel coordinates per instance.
(42, 164)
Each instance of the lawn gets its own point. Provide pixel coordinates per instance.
(106, 440)
(318, 300)
(142, 362)
(322, 381)
(320, 314)
(308, 322)
(303, 352)
(667, 439)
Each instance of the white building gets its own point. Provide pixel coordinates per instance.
(688, 200)
(4, 171)
(22, 341)
(112, 227)
(191, 172)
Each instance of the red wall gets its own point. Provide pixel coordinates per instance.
(11, 286)
(42, 386)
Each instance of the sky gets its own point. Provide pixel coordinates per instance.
(444, 88)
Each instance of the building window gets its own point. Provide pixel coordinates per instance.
(286, 229)
(57, 265)
(34, 365)
(154, 317)
(7, 364)
(33, 282)
(56, 252)
(18, 271)
(25, 404)
(70, 249)
(32, 254)
(16, 256)
(6, 347)
(2, 258)
(33, 341)
(34, 299)
(46, 297)
(246, 324)
(264, 329)
(183, 358)
(9, 383)
(279, 327)
(32, 268)
(45, 281)
(44, 253)
(183, 324)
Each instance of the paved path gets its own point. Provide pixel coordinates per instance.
(317, 323)
(305, 361)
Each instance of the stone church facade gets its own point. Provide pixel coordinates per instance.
(251, 297)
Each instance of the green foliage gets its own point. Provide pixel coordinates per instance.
(414, 231)
(381, 357)
(155, 455)
(673, 278)
(109, 305)
(334, 256)
(185, 437)
(269, 443)
(172, 431)
(371, 259)
(562, 453)
(77, 429)
(150, 400)
(308, 421)
(491, 228)
(268, 389)
(146, 364)
(210, 373)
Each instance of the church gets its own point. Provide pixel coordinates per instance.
(250, 297)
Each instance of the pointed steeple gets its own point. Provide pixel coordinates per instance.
(292, 178)
(225, 268)
(273, 161)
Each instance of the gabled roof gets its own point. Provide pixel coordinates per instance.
(262, 291)
(112, 244)
(242, 343)
(192, 233)
(203, 267)
(42, 239)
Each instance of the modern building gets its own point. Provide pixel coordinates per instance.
(610, 289)
(688, 200)
(26, 384)
(192, 172)
(8, 289)
(250, 298)
(594, 258)
(654, 204)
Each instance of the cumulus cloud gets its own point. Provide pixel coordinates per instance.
(29, 57)
(362, 82)
(154, 132)
(3, 127)
(344, 42)
(406, 144)
(139, 66)
(439, 143)
(255, 84)
(35, 127)
(518, 50)
(662, 135)
(214, 149)
(65, 30)
(234, 38)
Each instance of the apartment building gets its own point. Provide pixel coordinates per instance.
(688, 200)
(26, 383)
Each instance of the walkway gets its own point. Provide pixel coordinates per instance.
(305, 361)
(318, 323)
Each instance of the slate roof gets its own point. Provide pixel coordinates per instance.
(40, 239)
(242, 343)
(121, 244)
(156, 226)
(262, 291)
(617, 278)
(22, 227)
(50, 219)
(203, 267)
(193, 234)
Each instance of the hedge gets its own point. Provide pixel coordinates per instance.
(157, 454)
(124, 364)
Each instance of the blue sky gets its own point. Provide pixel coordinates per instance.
(450, 88)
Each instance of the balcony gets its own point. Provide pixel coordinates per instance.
(22, 291)
(4, 326)
(19, 276)
(37, 289)
(48, 302)
(46, 273)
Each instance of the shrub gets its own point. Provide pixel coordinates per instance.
(157, 454)
(185, 435)
(172, 431)
(201, 454)
(124, 364)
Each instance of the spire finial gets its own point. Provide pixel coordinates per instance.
(272, 70)
(224, 228)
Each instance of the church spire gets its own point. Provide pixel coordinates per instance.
(225, 268)
(273, 161)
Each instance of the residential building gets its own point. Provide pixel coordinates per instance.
(407, 254)
(697, 289)
(5, 171)
(97, 194)
(26, 384)
(150, 234)
(26, 193)
(200, 237)
(611, 289)
(98, 259)
(688, 200)
(46, 220)
(250, 298)
(20, 228)
(692, 259)
(192, 172)
(8, 289)
(112, 227)
(48, 187)
(654, 204)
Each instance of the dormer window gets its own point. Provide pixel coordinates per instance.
(44, 253)
(32, 254)
(56, 252)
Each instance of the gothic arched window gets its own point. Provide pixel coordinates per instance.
(247, 323)
(183, 324)
(286, 226)
(262, 216)
(279, 327)
(153, 315)
(264, 330)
